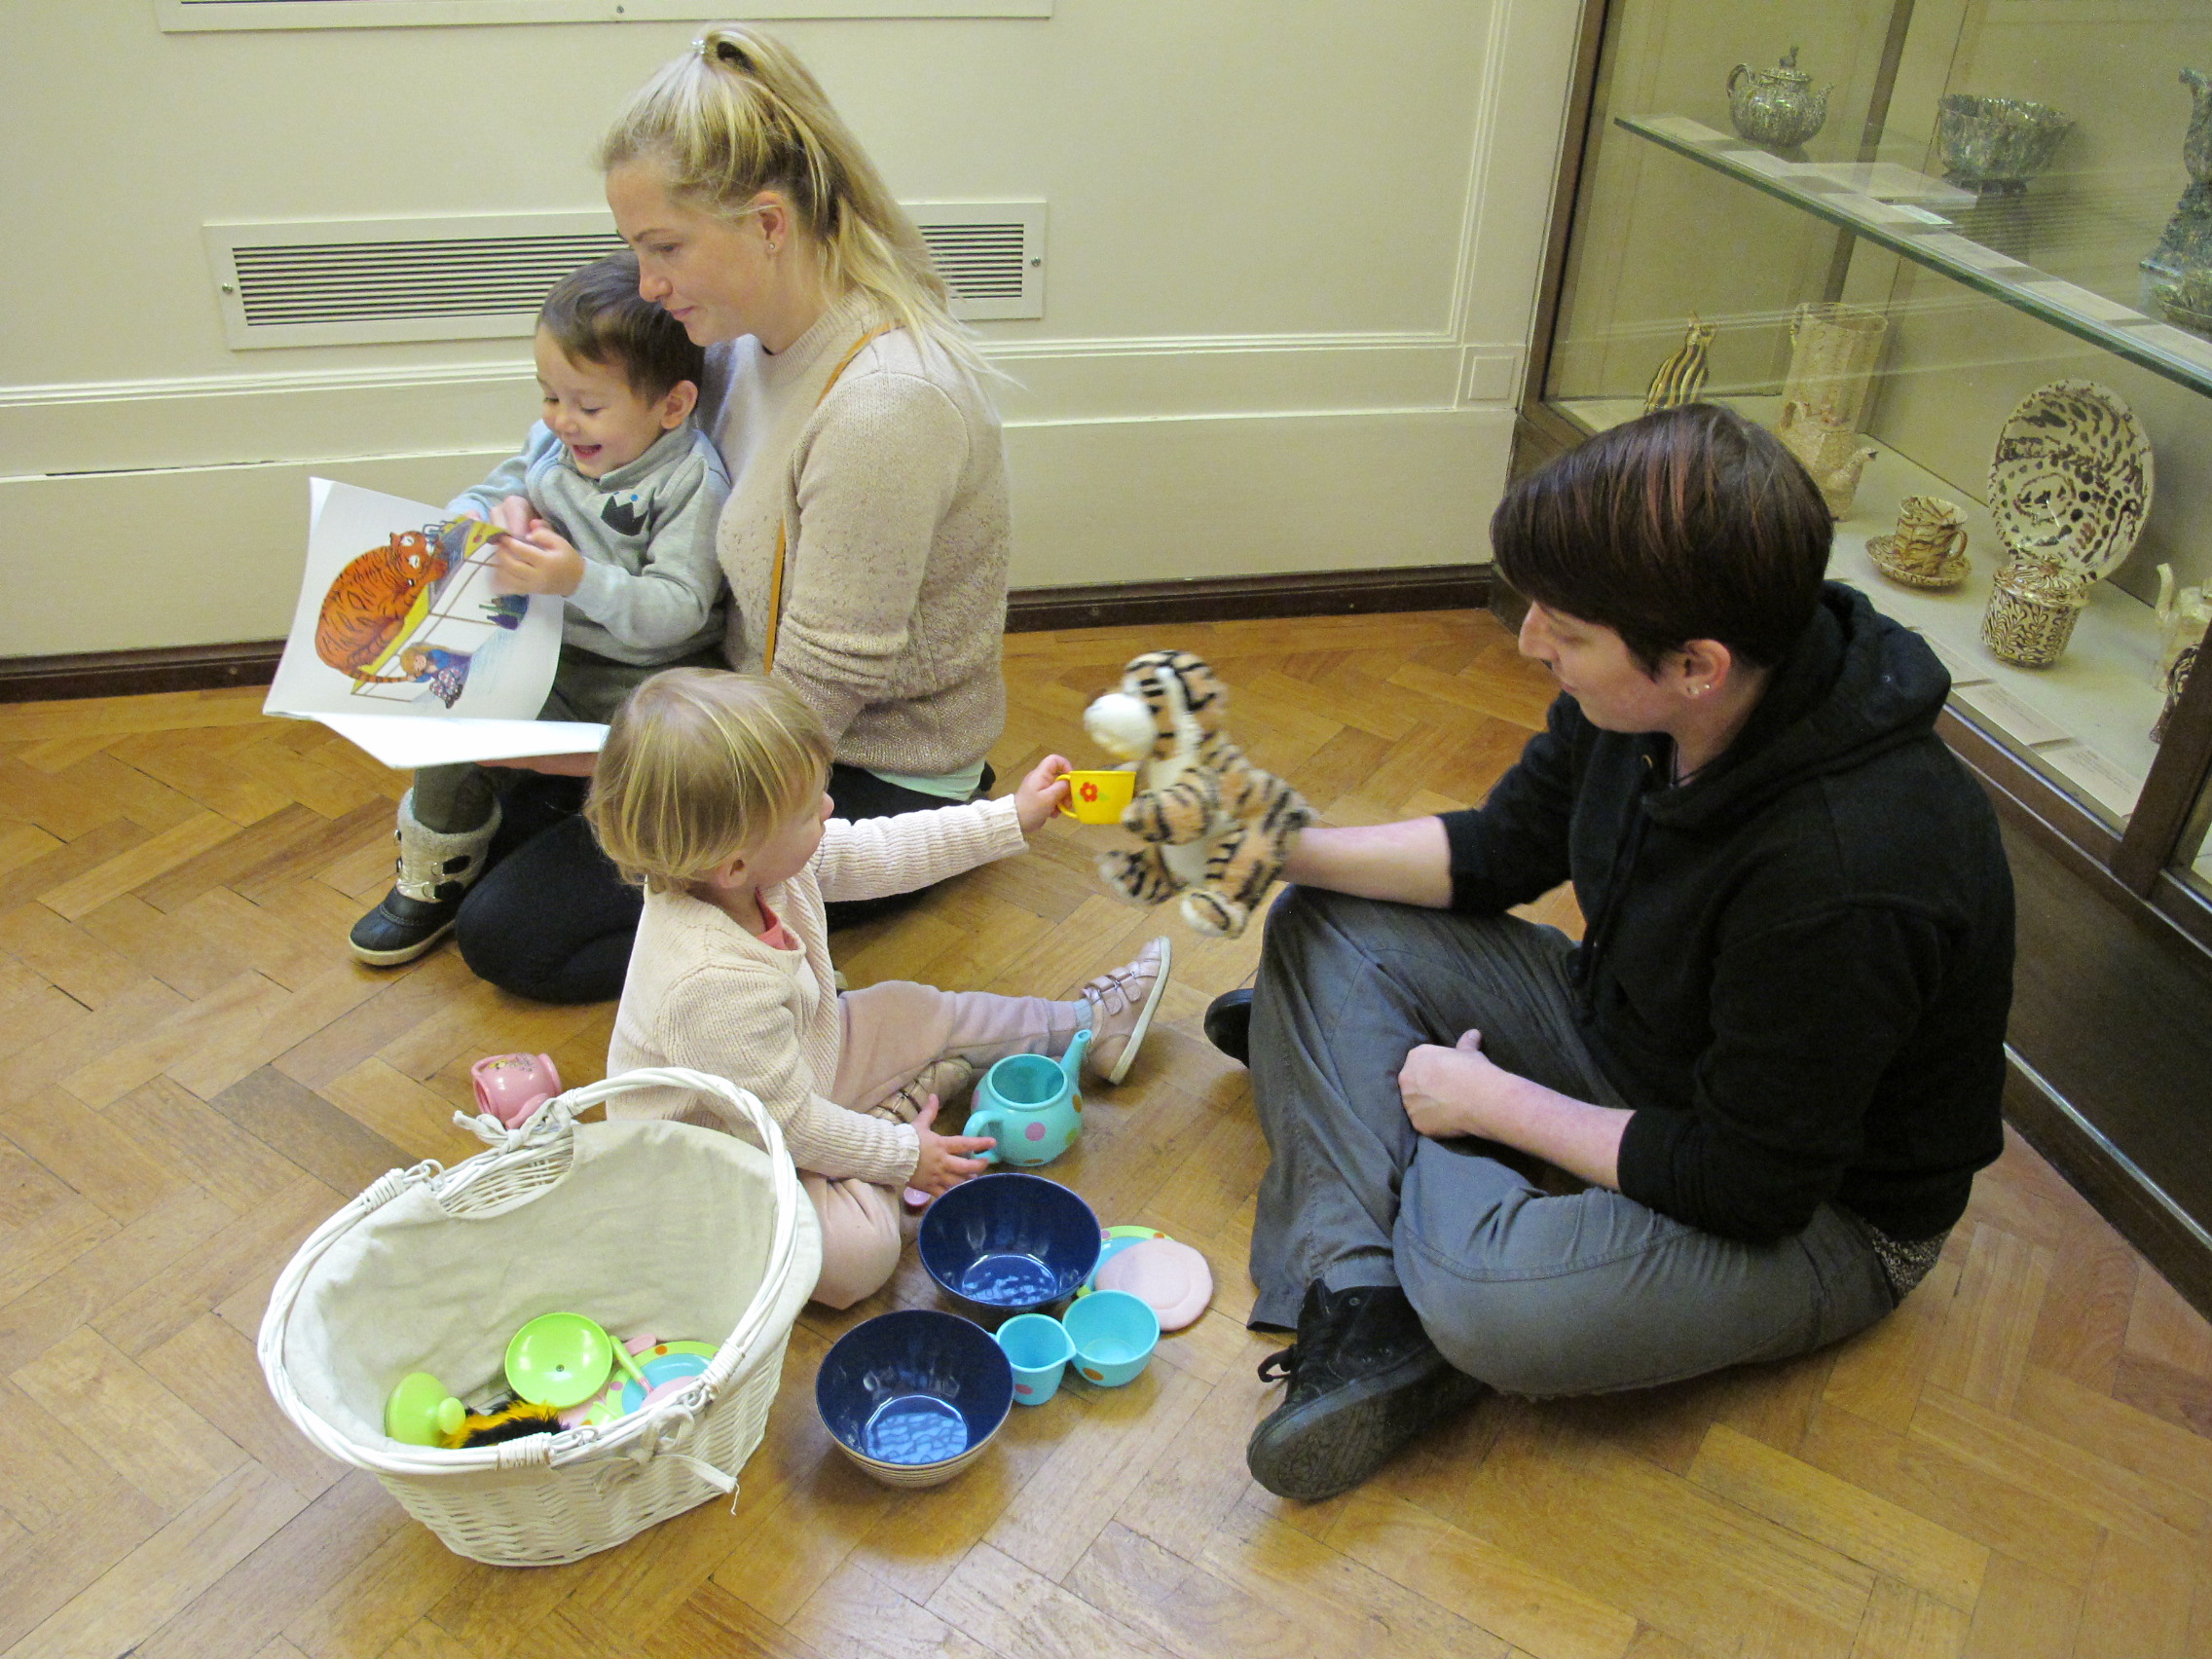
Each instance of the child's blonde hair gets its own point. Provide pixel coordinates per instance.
(699, 765)
(739, 114)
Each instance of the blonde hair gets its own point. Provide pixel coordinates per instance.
(699, 765)
(739, 114)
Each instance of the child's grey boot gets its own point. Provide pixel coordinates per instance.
(434, 868)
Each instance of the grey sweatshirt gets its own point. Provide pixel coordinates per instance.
(652, 584)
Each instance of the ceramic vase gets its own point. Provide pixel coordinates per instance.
(1834, 351)
(2177, 274)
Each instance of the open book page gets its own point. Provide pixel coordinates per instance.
(400, 644)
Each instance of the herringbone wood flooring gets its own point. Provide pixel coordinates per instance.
(192, 1075)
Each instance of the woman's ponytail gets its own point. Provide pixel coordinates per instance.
(739, 114)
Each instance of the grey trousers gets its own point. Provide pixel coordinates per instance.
(1532, 1294)
(454, 799)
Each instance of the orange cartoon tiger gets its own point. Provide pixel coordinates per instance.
(366, 607)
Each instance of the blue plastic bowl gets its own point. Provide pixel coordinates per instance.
(1009, 1241)
(913, 1397)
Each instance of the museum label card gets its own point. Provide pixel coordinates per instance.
(2011, 717)
(2095, 776)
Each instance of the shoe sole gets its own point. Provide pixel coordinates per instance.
(406, 953)
(1143, 1015)
(1332, 1444)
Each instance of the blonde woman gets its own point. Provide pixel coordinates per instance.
(865, 539)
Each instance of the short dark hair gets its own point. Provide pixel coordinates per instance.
(1690, 523)
(596, 315)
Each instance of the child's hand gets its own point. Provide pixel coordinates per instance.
(513, 516)
(537, 562)
(1041, 794)
(943, 1164)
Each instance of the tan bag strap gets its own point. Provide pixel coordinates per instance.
(775, 576)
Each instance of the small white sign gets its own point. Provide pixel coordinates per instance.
(2011, 717)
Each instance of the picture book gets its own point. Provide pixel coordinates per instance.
(401, 645)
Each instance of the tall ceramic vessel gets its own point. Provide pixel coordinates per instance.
(2177, 274)
(1834, 351)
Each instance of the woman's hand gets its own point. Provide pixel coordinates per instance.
(944, 1163)
(1450, 1092)
(537, 562)
(1041, 794)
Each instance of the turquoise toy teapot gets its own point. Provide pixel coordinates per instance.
(1031, 1105)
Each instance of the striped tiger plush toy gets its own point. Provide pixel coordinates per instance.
(1216, 828)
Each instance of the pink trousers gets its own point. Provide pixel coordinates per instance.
(893, 1034)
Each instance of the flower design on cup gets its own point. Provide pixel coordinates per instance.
(1090, 791)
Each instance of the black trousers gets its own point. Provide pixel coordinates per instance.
(550, 919)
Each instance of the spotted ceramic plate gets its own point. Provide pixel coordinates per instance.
(2071, 480)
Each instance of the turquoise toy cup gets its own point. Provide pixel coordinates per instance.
(1032, 1106)
(1114, 1335)
(1039, 1348)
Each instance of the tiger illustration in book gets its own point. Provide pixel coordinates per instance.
(369, 607)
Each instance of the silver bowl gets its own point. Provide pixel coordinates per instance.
(2001, 142)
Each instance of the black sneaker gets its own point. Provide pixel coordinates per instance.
(1364, 1380)
(400, 928)
(1229, 1024)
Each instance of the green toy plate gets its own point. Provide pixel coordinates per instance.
(559, 1361)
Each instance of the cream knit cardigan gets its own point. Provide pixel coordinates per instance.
(703, 993)
(891, 492)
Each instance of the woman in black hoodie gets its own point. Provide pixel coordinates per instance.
(1776, 1057)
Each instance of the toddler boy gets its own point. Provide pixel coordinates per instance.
(613, 505)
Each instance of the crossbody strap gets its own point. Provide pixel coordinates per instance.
(775, 576)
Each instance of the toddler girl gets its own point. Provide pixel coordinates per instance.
(709, 795)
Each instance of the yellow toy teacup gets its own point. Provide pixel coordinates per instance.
(1099, 798)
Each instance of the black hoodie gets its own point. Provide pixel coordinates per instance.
(1796, 965)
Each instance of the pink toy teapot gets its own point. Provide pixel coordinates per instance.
(512, 1086)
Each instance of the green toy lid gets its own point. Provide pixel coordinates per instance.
(419, 1411)
(559, 1361)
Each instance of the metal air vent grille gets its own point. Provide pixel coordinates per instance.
(367, 281)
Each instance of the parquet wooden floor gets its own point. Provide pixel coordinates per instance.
(192, 1075)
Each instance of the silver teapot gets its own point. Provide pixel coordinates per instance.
(1776, 107)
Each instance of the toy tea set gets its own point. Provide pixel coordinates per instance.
(913, 1397)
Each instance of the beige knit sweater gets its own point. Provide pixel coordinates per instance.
(893, 496)
(703, 993)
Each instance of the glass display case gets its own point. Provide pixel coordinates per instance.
(1958, 253)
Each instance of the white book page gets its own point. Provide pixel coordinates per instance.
(405, 745)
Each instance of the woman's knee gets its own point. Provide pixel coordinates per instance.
(1533, 1337)
(860, 1239)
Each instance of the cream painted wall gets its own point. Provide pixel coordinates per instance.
(1292, 253)
(1658, 235)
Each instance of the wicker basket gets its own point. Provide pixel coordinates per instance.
(649, 1224)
